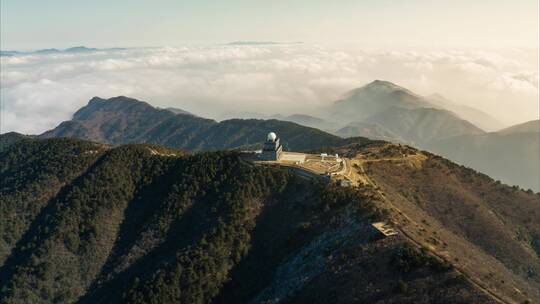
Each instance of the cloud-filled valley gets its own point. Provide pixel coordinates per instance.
(41, 90)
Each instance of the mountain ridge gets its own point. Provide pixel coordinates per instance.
(402, 112)
(532, 126)
(481, 119)
(75, 49)
(510, 155)
(141, 223)
(121, 120)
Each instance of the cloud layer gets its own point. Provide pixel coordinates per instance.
(39, 91)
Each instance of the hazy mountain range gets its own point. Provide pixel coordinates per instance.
(122, 120)
(387, 111)
(240, 43)
(396, 110)
(481, 119)
(379, 110)
(76, 49)
(512, 154)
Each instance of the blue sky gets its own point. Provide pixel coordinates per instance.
(31, 24)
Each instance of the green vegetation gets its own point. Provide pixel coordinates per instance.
(124, 224)
(7, 139)
(145, 224)
(31, 173)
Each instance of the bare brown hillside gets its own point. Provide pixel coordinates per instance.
(488, 230)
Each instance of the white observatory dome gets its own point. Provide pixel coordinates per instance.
(271, 136)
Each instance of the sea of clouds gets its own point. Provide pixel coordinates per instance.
(40, 91)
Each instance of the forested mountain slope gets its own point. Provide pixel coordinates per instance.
(145, 224)
(33, 172)
(7, 139)
(122, 120)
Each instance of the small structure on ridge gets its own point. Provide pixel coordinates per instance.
(272, 149)
(384, 228)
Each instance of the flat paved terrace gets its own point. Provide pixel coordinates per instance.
(314, 165)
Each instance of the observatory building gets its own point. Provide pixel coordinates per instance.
(272, 149)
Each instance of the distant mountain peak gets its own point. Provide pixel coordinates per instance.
(377, 83)
(114, 106)
(122, 119)
(117, 99)
(80, 49)
(95, 100)
(47, 51)
(381, 87)
(75, 49)
(385, 93)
